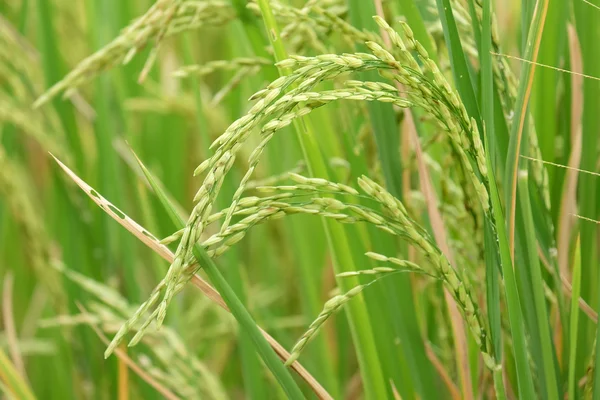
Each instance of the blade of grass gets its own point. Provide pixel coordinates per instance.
(518, 129)
(545, 90)
(537, 283)
(460, 69)
(515, 315)
(576, 289)
(589, 37)
(491, 254)
(546, 244)
(535, 314)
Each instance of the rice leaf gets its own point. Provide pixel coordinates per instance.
(573, 323)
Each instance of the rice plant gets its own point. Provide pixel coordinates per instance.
(334, 199)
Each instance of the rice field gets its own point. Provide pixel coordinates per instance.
(288, 199)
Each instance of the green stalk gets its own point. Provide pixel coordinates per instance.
(491, 255)
(66, 226)
(537, 285)
(247, 323)
(460, 67)
(24, 14)
(253, 32)
(515, 315)
(407, 364)
(357, 312)
(518, 133)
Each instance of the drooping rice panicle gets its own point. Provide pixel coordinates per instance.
(151, 26)
(277, 103)
(165, 357)
(220, 65)
(330, 308)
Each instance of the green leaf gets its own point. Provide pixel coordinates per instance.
(460, 69)
(492, 260)
(586, 18)
(515, 315)
(537, 285)
(518, 144)
(574, 320)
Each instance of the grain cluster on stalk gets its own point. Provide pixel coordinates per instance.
(163, 19)
(293, 96)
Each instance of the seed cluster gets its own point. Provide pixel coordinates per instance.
(166, 357)
(260, 210)
(163, 19)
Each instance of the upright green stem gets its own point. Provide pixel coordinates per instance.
(492, 272)
(518, 130)
(358, 317)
